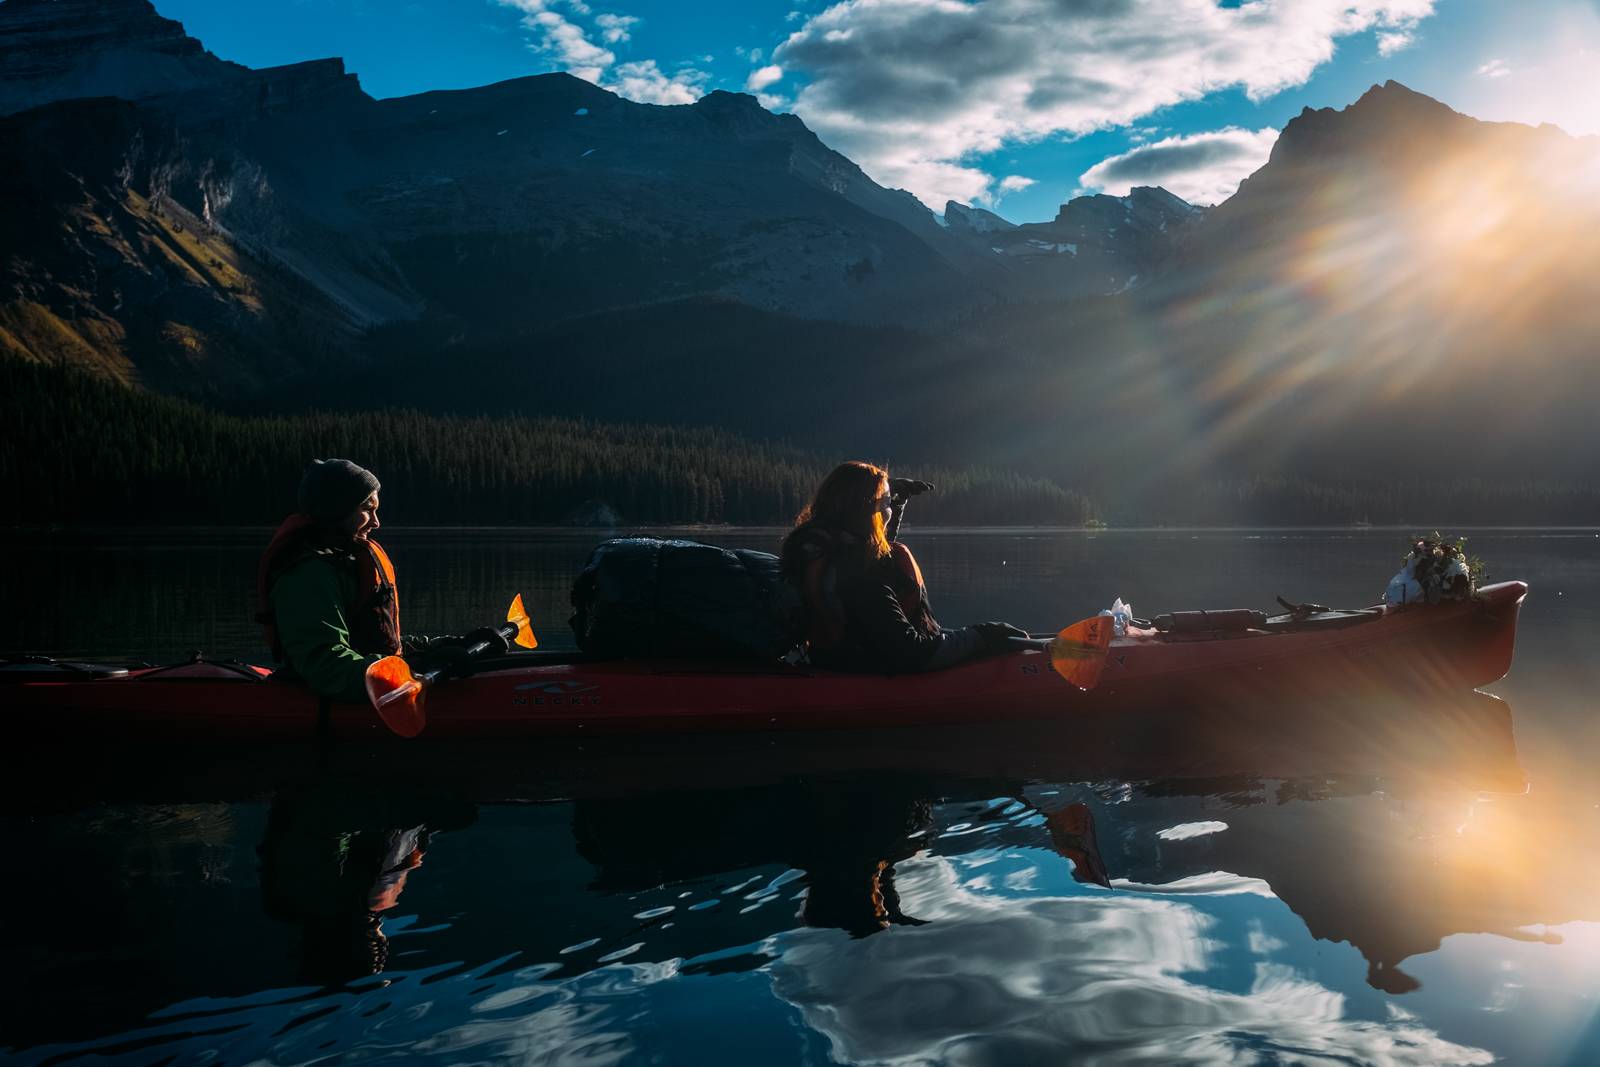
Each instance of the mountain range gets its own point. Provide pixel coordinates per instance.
(1400, 288)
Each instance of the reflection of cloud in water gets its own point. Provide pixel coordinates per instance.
(438, 1015)
(1184, 831)
(583, 1020)
(1007, 980)
(1211, 884)
(1262, 943)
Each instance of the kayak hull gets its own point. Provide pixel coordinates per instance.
(1445, 647)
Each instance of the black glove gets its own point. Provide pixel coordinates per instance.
(440, 654)
(903, 489)
(1001, 637)
(498, 645)
(448, 652)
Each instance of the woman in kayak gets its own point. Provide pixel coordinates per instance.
(326, 590)
(867, 606)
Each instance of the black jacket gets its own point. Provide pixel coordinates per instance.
(870, 599)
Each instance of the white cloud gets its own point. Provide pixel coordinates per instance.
(915, 89)
(762, 77)
(1395, 41)
(570, 45)
(644, 82)
(1495, 68)
(794, 16)
(1203, 168)
(562, 39)
(616, 29)
(1014, 183)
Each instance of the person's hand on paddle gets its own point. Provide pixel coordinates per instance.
(397, 685)
(450, 651)
(1001, 637)
(440, 654)
(903, 489)
(496, 640)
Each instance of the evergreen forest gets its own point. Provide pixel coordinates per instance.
(83, 449)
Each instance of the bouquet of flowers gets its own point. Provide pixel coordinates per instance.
(1437, 568)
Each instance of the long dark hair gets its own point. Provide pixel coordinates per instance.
(841, 514)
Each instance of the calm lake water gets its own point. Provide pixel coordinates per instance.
(1394, 885)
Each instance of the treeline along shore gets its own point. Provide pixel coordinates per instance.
(83, 449)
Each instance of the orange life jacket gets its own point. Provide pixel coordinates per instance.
(373, 616)
(826, 624)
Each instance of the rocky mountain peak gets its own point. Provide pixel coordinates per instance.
(1095, 245)
(1144, 208)
(1393, 97)
(974, 219)
(60, 49)
(107, 19)
(743, 116)
(1155, 199)
(1387, 122)
(725, 102)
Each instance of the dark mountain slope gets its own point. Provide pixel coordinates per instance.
(1400, 287)
(65, 49)
(480, 213)
(114, 266)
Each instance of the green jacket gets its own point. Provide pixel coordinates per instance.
(308, 603)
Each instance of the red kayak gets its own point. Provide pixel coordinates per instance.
(1455, 645)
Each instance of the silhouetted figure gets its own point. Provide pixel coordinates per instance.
(866, 604)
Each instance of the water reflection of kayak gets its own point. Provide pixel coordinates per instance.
(1376, 859)
(1462, 738)
(832, 835)
(836, 828)
(1450, 646)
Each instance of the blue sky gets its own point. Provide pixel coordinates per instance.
(1011, 104)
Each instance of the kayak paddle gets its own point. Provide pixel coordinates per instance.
(398, 696)
(1079, 652)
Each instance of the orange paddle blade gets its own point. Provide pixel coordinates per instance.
(517, 614)
(1078, 653)
(396, 696)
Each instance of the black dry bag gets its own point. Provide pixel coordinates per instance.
(647, 598)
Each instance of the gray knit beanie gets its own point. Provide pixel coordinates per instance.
(330, 489)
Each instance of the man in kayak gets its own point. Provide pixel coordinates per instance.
(326, 590)
(866, 604)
